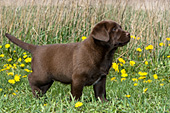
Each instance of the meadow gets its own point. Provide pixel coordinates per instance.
(139, 80)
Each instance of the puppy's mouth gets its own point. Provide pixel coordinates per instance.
(120, 44)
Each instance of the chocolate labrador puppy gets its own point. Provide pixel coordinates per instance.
(79, 64)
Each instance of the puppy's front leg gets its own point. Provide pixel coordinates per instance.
(100, 89)
(77, 88)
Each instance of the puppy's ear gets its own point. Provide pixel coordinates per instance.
(100, 32)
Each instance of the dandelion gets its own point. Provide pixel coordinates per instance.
(135, 84)
(146, 89)
(2, 55)
(168, 44)
(162, 84)
(19, 59)
(132, 63)
(0, 46)
(25, 56)
(45, 104)
(121, 60)
(161, 44)
(10, 73)
(22, 65)
(155, 76)
(123, 79)
(83, 38)
(115, 66)
(138, 38)
(14, 51)
(128, 96)
(7, 46)
(168, 39)
(24, 53)
(0, 89)
(168, 56)
(78, 104)
(139, 49)
(123, 71)
(142, 73)
(124, 75)
(24, 76)
(10, 59)
(132, 36)
(27, 70)
(149, 47)
(146, 62)
(11, 81)
(17, 78)
(149, 81)
(27, 60)
(14, 93)
(134, 79)
(4, 95)
(142, 77)
(113, 78)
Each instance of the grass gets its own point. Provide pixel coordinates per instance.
(64, 22)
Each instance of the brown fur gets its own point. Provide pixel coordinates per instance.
(79, 64)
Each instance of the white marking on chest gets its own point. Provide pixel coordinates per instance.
(96, 81)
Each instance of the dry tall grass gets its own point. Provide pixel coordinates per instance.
(51, 21)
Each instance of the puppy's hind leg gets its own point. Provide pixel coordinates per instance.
(46, 87)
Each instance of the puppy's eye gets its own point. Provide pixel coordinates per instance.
(114, 29)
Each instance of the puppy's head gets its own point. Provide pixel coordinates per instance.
(111, 33)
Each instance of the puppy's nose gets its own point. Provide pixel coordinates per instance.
(127, 34)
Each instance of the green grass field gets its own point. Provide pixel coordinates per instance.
(139, 80)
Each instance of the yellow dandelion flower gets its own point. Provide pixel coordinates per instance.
(24, 53)
(124, 75)
(27, 70)
(139, 49)
(4, 95)
(17, 78)
(128, 96)
(132, 36)
(113, 78)
(168, 39)
(27, 60)
(83, 38)
(0, 46)
(142, 73)
(19, 59)
(162, 84)
(22, 65)
(10, 73)
(155, 76)
(142, 77)
(123, 71)
(14, 51)
(161, 44)
(135, 84)
(7, 46)
(123, 79)
(10, 59)
(24, 76)
(146, 89)
(78, 104)
(134, 79)
(0, 89)
(25, 56)
(132, 63)
(168, 56)
(146, 62)
(2, 55)
(138, 38)
(45, 104)
(149, 81)
(149, 47)
(121, 60)
(115, 66)
(14, 93)
(11, 81)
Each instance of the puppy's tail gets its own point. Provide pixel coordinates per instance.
(28, 47)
